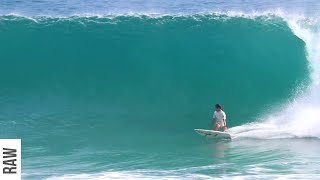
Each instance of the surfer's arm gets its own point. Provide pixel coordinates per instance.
(225, 119)
(212, 123)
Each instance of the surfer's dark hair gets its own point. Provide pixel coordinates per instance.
(218, 106)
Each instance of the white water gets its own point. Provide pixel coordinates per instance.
(137, 176)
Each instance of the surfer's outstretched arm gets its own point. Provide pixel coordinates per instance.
(212, 123)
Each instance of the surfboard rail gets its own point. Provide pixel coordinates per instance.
(213, 134)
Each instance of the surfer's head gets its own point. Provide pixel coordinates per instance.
(218, 107)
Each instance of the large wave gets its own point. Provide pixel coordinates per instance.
(86, 78)
(175, 66)
(74, 74)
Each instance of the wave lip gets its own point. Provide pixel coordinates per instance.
(66, 8)
(154, 14)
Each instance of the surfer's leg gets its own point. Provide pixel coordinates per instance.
(217, 127)
(225, 128)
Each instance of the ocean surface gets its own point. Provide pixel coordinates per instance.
(113, 90)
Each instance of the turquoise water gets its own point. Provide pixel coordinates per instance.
(117, 95)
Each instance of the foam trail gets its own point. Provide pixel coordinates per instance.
(137, 176)
(132, 175)
(301, 117)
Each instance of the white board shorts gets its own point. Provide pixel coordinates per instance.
(221, 123)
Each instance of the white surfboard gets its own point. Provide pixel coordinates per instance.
(213, 134)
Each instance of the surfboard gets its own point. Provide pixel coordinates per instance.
(213, 134)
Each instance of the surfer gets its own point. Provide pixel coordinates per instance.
(220, 117)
